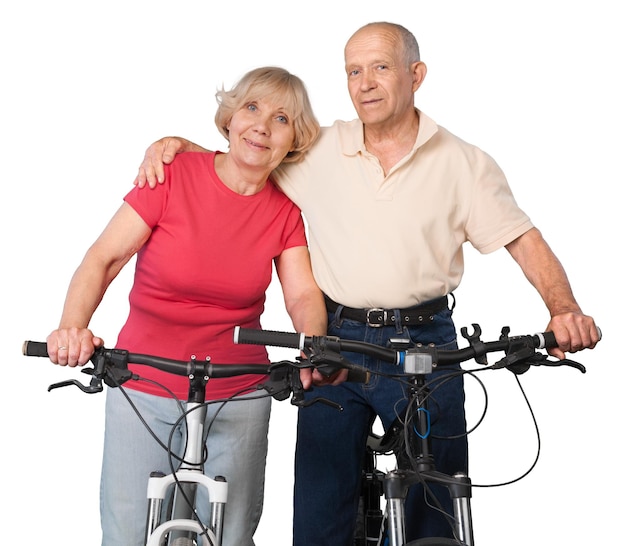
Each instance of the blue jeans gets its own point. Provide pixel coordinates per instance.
(236, 448)
(331, 444)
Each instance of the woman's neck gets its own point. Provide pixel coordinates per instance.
(239, 178)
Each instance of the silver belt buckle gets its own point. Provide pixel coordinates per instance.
(376, 324)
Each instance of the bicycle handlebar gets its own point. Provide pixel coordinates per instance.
(519, 350)
(176, 367)
(111, 366)
(300, 341)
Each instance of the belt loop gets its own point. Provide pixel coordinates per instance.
(397, 319)
(337, 319)
(453, 302)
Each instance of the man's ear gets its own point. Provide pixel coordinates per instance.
(418, 70)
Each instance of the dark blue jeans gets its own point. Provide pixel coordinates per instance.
(331, 444)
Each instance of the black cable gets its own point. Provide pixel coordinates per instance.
(183, 417)
(222, 401)
(432, 386)
(538, 453)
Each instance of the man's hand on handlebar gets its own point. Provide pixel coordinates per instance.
(311, 377)
(574, 332)
(162, 152)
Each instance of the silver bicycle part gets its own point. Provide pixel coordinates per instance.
(460, 493)
(463, 516)
(183, 526)
(395, 521)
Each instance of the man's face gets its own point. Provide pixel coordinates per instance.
(380, 83)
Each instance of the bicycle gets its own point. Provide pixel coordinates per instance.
(408, 438)
(178, 524)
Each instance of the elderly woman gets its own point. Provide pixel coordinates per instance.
(205, 251)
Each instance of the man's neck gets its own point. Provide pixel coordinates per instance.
(392, 142)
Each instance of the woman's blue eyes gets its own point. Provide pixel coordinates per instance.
(282, 118)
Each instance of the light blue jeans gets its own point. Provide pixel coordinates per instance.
(236, 447)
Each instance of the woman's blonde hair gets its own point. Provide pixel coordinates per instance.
(287, 88)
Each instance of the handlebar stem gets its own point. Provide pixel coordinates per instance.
(197, 384)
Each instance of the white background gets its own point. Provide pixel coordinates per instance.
(86, 86)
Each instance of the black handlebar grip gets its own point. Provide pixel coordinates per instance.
(547, 340)
(35, 348)
(250, 336)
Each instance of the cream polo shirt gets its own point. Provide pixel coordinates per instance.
(396, 240)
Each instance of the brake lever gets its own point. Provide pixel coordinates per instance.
(519, 363)
(297, 398)
(565, 362)
(113, 375)
(302, 403)
(95, 385)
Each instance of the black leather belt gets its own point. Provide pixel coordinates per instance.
(377, 317)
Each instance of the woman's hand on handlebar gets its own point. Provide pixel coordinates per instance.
(72, 346)
(574, 332)
(311, 377)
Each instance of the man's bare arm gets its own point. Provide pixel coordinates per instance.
(162, 152)
(573, 329)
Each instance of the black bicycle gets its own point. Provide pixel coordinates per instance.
(409, 437)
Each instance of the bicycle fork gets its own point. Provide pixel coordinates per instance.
(421, 469)
(396, 485)
(184, 524)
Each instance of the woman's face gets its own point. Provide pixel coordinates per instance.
(261, 134)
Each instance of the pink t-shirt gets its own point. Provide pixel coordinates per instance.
(204, 270)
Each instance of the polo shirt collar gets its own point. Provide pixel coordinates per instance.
(352, 141)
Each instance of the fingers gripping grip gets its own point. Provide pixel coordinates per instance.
(250, 336)
(547, 340)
